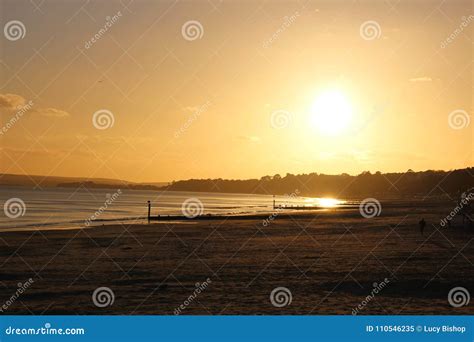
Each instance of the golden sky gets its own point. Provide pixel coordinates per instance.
(234, 89)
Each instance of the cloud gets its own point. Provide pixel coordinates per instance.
(15, 153)
(248, 138)
(421, 79)
(52, 112)
(400, 155)
(191, 109)
(11, 101)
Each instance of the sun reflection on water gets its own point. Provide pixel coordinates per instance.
(325, 202)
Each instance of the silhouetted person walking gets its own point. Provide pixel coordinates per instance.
(422, 225)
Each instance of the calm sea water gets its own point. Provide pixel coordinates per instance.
(55, 208)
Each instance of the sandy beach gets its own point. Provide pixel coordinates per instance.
(330, 262)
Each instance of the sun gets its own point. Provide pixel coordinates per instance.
(331, 112)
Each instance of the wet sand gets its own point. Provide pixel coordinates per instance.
(329, 261)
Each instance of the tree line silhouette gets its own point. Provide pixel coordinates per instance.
(408, 184)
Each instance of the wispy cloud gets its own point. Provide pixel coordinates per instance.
(52, 112)
(421, 79)
(11, 101)
(14, 102)
(191, 108)
(15, 153)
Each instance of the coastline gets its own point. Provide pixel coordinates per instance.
(329, 262)
(348, 208)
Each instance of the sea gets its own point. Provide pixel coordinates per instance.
(27, 208)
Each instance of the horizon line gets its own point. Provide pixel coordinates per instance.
(298, 174)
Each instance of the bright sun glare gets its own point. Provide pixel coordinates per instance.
(325, 202)
(331, 113)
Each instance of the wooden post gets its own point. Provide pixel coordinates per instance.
(273, 202)
(149, 211)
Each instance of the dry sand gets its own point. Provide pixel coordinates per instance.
(329, 262)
